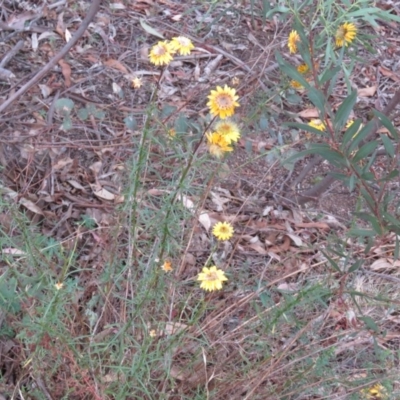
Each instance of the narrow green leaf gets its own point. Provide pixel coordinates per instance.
(331, 261)
(351, 132)
(358, 232)
(304, 127)
(387, 123)
(344, 110)
(370, 323)
(365, 150)
(392, 174)
(368, 198)
(328, 75)
(323, 150)
(291, 71)
(352, 182)
(372, 220)
(390, 218)
(387, 143)
(355, 266)
(317, 98)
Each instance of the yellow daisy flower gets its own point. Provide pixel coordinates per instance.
(217, 144)
(223, 230)
(182, 45)
(317, 124)
(303, 68)
(161, 53)
(171, 133)
(222, 101)
(136, 82)
(152, 333)
(376, 392)
(211, 278)
(229, 130)
(167, 266)
(296, 85)
(345, 34)
(293, 39)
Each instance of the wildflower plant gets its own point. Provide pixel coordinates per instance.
(128, 317)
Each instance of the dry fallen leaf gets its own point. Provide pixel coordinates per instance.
(111, 63)
(367, 92)
(102, 193)
(30, 205)
(384, 263)
(66, 71)
(390, 74)
(204, 219)
(309, 113)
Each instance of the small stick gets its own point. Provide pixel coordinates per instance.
(6, 59)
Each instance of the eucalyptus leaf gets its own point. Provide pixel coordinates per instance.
(150, 29)
(83, 114)
(64, 106)
(67, 123)
(130, 122)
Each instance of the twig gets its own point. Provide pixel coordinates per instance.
(6, 59)
(94, 7)
(381, 275)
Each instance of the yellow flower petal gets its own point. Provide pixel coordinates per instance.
(293, 39)
(211, 278)
(317, 124)
(223, 230)
(296, 85)
(303, 68)
(167, 266)
(223, 101)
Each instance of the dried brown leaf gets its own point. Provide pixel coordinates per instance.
(102, 193)
(386, 72)
(309, 113)
(111, 63)
(66, 71)
(367, 92)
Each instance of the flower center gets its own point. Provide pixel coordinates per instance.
(160, 51)
(224, 101)
(212, 276)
